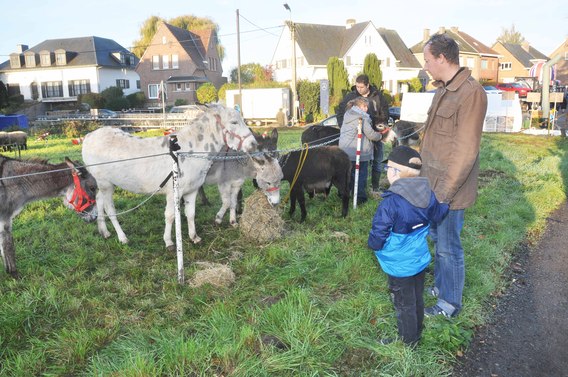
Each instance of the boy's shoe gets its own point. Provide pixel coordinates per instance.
(386, 341)
(433, 291)
(435, 310)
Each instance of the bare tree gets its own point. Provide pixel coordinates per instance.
(511, 35)
(188, 22)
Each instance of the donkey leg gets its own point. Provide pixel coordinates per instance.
(203, 197)
(104, 196)
(169, 216)
(225, 193)
(235, 191)
(7, 249)
(190, 214)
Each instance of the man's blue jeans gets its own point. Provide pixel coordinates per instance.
(449, 265)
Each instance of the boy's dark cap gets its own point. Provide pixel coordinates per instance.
(405, 156)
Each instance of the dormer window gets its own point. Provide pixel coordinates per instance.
(45, 58)
(30, 58)
(60, 57)
(15, 61)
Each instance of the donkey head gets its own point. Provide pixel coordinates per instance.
(80, 196)
(268, 170)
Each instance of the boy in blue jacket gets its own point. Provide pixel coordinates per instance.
(398, 237)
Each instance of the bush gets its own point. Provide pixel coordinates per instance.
(136, 100)
(94, 100)
(309, 96)
(180, 102)
(207, 93)
(117, 103)
(78, 128)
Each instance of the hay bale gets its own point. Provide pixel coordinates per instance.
(260, 221)
(218, 275)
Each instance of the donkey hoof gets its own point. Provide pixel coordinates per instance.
(171, 248)
(196, 239)
(234, 224)
(218, 221)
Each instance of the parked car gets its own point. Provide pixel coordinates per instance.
(186, 109)
(103, 113)
(394, 112)
(491, 89)
(514, 87)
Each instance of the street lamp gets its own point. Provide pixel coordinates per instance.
(293, 40)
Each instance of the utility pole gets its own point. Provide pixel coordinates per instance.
(292, 27)
(239, 63)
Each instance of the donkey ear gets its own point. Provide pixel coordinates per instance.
(71, 165)
(274, 135)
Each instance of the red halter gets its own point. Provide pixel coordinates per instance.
(80, 200)
(226, 131)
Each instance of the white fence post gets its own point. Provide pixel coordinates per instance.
(177, 218)
(357, 161)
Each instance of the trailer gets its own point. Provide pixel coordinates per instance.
(261, 105)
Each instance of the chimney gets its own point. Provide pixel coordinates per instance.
(349, 23)
(454, 29)
(442, 30)
(21, 48)
(525, 45)
(426, 35)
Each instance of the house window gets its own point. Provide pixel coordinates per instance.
(388, 62)
(122, 83)
(153, 91)
(483, 64)
(137, 84)
(179, 87)
(283, 63)
(30, 60)
(187, 86)
(45, 59)
(60, 58)
(165, 62)
(470, 62)
(155, 62)
(506, 66)
(52, 89)
(77, 87)
(300, 61)
(175, 61)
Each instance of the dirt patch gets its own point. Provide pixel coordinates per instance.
(526, 336)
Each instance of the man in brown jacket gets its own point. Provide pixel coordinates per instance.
(450, 155)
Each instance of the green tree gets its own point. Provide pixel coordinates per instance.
(372, 68)
(207, 93)
(3, 95)
(309, 96)
(510, 35)
(187, 22)
(337, 76)
(136, 100)
(94, 100)
(252, 73)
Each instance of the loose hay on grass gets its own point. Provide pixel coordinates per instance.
(260, 221)
(218, 275)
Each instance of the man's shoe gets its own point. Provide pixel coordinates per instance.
(435, 310)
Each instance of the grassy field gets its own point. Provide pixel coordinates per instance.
(313, 303)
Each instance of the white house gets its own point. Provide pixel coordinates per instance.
(59, 70)
(315, 44)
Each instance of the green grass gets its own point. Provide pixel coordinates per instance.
(312, 303)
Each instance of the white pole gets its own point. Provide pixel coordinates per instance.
(357, 160)
(177, 218)
(163, 103)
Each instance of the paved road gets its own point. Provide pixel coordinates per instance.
(528, 336)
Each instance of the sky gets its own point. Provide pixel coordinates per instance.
(544, 24)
